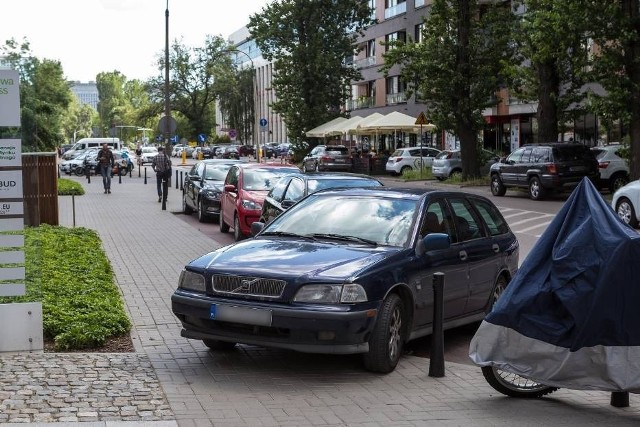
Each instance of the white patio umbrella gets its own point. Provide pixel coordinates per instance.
(320, 131)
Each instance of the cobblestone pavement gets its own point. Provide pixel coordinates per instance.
(174, 381)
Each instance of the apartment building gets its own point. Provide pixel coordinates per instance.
(87, 93)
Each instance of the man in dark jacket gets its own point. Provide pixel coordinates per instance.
(105, 166)
(162, 165)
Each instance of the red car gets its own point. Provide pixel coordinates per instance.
(245, 189)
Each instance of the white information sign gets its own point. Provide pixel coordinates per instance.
(9, 98)
(10, 184)
(11, 224)
(11, 208)
(12, 240)
(11, 257)
(10, 152)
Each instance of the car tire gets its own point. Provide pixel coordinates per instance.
(202, 214)
(387, 337)
(219, 345)
(618, 180)
(497, 187)
(498, 290)
(536, 191)
(626, 212)
(405, 169)
(456, 174)
(237, 233)
(186, 209)
(224, 228)
(440, 178)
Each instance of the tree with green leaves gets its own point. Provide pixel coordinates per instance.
(44, 97)
(194, 72)
(463, 59)
(553, 39)
(617, 67)
(308, 41)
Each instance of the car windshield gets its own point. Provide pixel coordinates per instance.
(262, 179)
(385, 221)
(321, 184)
(338, 150)
(576, 152)
(216, 172)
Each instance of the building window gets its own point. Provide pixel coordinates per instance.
(399, 36)
(418, 32)
(372, 6)
(395, 90)
(419, 3)
(370, 55)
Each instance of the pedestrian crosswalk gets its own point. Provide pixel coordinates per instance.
(526, 222)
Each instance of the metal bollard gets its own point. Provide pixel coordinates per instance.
(139, 167)
(177, 180)
(620, 399)
(436, 360)
(88, 173)
(181, 181)
(119, 176)
(145, 175)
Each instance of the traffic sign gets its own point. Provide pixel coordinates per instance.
(233, 133)
(174, 139)
(202, 137)
(263, 122)
(422, 119)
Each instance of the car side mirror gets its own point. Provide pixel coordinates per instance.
(230, 188)
(256, 227)
(432, 242)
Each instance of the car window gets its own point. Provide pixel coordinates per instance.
(199, 169)
(277, 192)
(232, 176)
(493, 219)
(571, 153)
(526, 155)
(338, 150)
(445, 155)
(540, 155)
(295, 190)
(397, 153)
(216, 172)
(414, 152)
(467, 228)
(321, 184)
(435, 219)
(516, 156)
(260, 179)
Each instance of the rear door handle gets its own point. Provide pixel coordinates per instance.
(495, 248)
(463, 255)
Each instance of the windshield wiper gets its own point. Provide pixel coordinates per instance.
(287, 234)
(345, 238)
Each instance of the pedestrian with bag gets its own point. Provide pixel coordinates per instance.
(105, 166)
(162, 166)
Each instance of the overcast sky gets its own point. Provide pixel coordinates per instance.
(93, 36)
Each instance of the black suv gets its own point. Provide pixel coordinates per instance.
(544, 167)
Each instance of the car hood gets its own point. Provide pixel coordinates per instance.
(293, 258)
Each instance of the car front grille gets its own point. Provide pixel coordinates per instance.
(248, 286)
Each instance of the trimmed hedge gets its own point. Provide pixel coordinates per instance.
(68, 271)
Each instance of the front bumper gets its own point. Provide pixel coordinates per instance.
(311, 329)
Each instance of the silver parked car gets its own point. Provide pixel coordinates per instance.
(449, 163)
(614, 170)
(410, 158)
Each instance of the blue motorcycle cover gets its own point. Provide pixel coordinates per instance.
(571, 315)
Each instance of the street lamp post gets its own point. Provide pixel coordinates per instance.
(167, 109)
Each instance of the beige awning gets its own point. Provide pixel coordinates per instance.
(395, 121)
(320, 131)
(362, 125)
(346, 127)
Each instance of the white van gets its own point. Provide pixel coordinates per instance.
(86, 143)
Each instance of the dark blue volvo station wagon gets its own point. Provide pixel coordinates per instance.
(351, 271)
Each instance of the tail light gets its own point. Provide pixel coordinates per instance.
(552, 169)
(603, 165)
(397, 159)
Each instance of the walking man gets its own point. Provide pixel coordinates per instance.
(162, 166)
(105, 165)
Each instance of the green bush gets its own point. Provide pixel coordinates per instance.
(68, 271)
(68, 187)
(416, 175)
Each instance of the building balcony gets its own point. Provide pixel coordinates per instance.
(390, 12)
(420, 3)
(360, 103)
(396, 98)
(364, 62)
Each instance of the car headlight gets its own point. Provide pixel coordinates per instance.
(192, 281)
(211, 193)
(331, 294)
(251, 205)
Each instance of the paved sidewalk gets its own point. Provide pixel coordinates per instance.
(178, 381)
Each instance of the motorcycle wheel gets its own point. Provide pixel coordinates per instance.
(79, 171)
(514, 385)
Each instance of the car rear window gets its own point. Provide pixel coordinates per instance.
(321, 184)
(338, 150)
(570, 153)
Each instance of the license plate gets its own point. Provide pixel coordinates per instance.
(577, 168)
(339, 160)
(235, 314)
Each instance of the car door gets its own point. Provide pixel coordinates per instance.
(508, 168)
(229, 197)
(190, 186)
(500, 240)
(475, 247)
(448, 261)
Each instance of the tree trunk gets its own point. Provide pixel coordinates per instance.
(548, 88)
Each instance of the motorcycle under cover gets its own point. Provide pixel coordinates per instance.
(571, 315)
